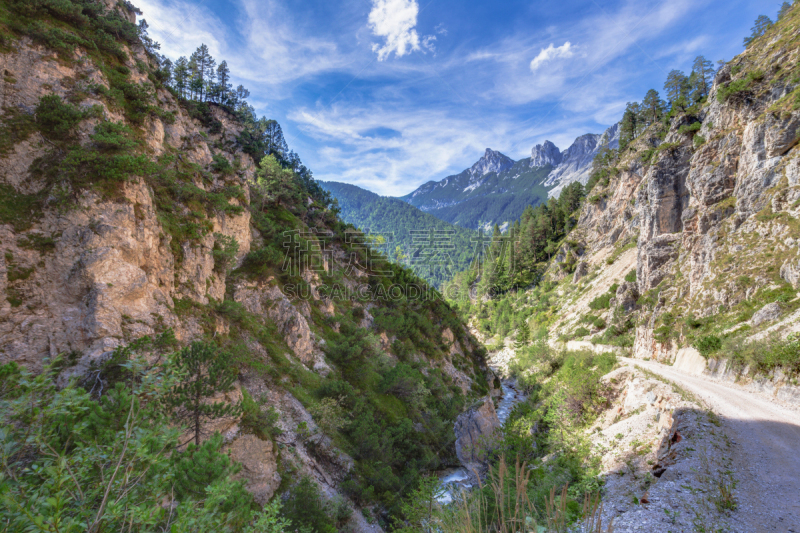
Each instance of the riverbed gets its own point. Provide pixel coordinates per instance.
(455, 480)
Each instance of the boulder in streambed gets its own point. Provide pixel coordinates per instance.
(477, 431)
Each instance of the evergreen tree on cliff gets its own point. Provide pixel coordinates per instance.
(703, 71)
(208, 372)
(760, 27)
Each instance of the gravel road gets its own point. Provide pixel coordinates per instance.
(766, 451)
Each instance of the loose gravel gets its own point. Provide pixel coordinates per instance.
(763, 456)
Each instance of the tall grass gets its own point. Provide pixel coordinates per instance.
(503, 505)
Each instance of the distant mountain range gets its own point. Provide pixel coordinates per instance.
(497, 189)
(409, 229)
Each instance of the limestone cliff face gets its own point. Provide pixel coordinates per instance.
(712, 211)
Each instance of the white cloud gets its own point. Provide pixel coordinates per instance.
(429, 43)
(394, 20)
(181, 27)
(550, 53)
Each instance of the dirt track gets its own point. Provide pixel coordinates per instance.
(766, 454)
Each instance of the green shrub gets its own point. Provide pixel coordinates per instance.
(601, 302)
(764, 356)
(258, 419)
(737, 87)
(306, 508)
(61, 447)
(698, 141)
(224, 253)
(690, 129)
(222, 165)
(708, 344)
(57, 119)
(19, 210)
(16, 127)
(693, 322)
(114, 137)
(630, 277)
(580, 332)
(60, 40)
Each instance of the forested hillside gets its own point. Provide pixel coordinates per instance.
(432, 248)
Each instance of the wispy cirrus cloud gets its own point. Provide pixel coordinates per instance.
(591, 43)
(268, 45)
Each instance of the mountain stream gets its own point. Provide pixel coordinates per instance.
(455, 480)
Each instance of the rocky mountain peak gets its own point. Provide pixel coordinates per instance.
(491, 161)
(545, 154)
(583, 145)
(610, 137)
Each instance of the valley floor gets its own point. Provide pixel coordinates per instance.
(765, 459)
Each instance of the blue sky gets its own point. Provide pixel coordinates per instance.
(389, 94)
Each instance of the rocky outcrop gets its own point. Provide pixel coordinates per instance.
(476, 431)
(767, 313)
(545, 154)
(259, 466)
(266, 299)
(576, 161)
(626, 296)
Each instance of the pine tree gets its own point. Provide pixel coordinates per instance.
(195, 78)
(165, 71)
(420, 505)
(223, 83)
(703, 71)
(523, 334)
(305, 508)
(676, 86)
(208, 372)
(652, 107)
(273, 135)
(760, 27)
(181, 76)
(203, 71)
(239, 96)
(275, 184)
(785, 7)
(629, 126)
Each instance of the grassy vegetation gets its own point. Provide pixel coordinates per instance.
(737, 88)
(764, 356)
(53, 437)
(15, 127)
(619, 249)
(543, 475)
(564, 397)
(18, 210)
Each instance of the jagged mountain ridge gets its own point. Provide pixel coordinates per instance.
(496, 189)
